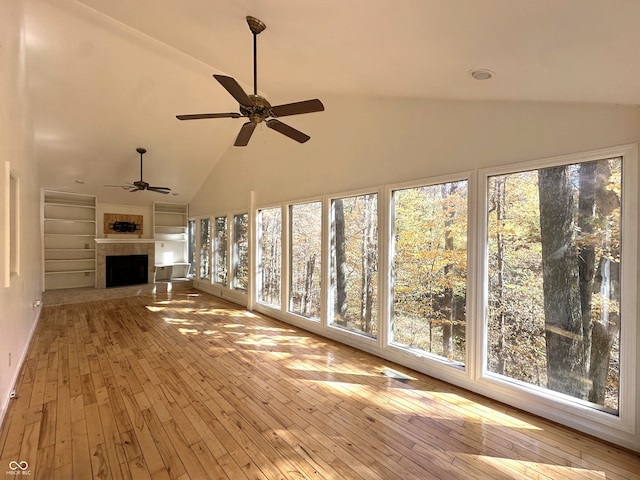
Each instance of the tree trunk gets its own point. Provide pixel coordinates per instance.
(606, 324)
(587, 249)
(369, 267)
(566, 371)
(340, 306)
(448, 304)
(308, 285)
(605, 329)
(499, 205)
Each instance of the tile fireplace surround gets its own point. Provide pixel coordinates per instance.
(115, 246)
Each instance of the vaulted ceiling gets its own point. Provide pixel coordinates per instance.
(106, 77)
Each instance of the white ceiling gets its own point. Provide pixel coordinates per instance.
(108, 76)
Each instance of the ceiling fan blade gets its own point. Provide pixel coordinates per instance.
(296, 108)
(199, 116)
(164, 190)
(234, 89)
(118, 186)
(245, 134)
(285, 129)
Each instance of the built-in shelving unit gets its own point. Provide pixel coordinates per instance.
(170, 221)
(170, 234)
(69, 232)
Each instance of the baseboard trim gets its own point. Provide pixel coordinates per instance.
(4, 407)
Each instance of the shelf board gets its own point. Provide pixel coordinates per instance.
(71, 249)
(68, 220)
(69, 204)
(70, 271)
(70, 260)
(68, 235)
(171, 229)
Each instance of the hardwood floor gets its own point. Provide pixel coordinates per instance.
(186, 386)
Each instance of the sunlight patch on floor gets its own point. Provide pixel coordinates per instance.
(188, 331)
(536, 469)
(178, 321)
(257, 340)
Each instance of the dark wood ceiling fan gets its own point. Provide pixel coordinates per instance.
(139, 185)
(255, 107)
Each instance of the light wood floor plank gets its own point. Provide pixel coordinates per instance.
(184, 386)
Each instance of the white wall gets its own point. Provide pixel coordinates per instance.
(18, 315)
(366, 142)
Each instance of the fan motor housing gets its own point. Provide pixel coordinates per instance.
(259, 111)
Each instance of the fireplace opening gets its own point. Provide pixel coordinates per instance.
(126, 270)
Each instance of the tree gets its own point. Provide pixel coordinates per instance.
(369, 261)
(354, 262)
(447, 190)
(429, 269)
(564, 330)
(560, 225)
(498, 205)
(604, 281)
(581, 276)
(340, 307)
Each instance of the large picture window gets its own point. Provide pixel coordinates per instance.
(205, 249)
(241, 251)
(191, 235)
(430, 269)
(270, 256)
(554, 257)
(220, 251)
(354, 263)
(306, 259)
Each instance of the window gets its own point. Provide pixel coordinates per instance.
(430, 269)
(12, 225)
(270, 256)
(241, 251)
(205, 249)
(354, 263)
(220, 251)
(191, 232)
(554, 284)
(305, 259)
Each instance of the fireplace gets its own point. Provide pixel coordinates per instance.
(126, 270)
(107, 247)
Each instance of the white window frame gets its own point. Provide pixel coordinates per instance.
(544, 402)
(326, 279)
(199, 247)
(214, 248)
(432, 364)
(286, 263)
(196, 246)
(257, 271)
(232, 247)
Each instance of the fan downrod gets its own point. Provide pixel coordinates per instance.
(255, 25)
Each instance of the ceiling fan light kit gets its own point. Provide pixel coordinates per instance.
(255, 107)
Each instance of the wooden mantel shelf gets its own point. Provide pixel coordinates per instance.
(125, 240)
